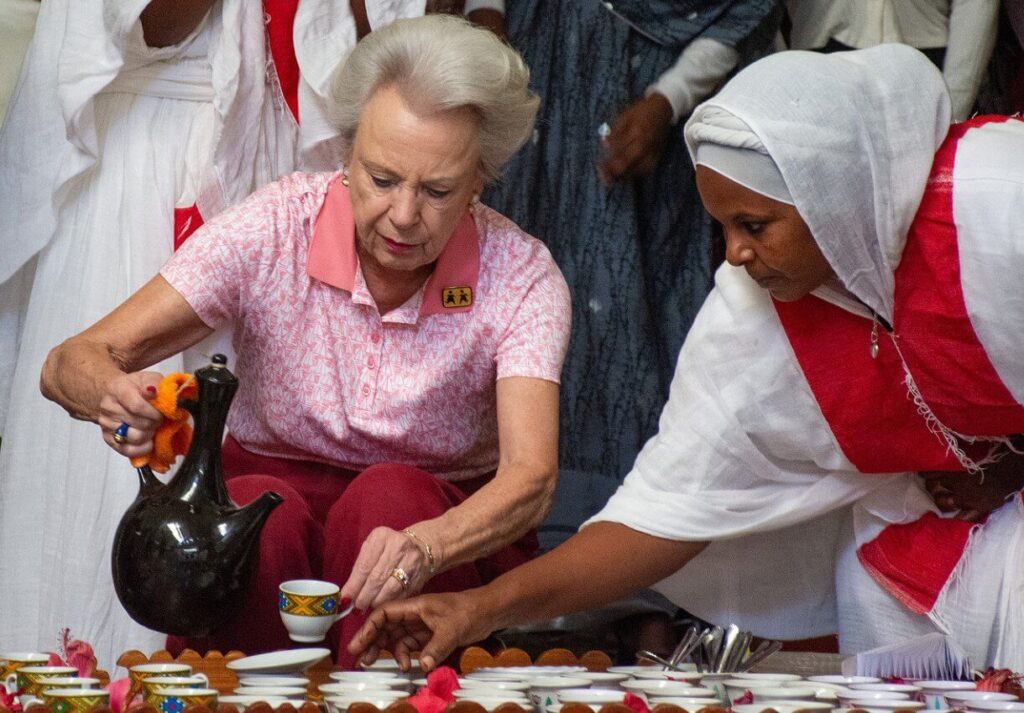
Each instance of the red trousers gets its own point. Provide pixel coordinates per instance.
(317, 531)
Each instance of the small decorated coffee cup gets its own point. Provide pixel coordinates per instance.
(75, 700)
(9, 663)
(176, 700)
(309, 608)
(32, 679)
(154, 684)
(149, 670)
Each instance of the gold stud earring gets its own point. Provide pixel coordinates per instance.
(344, 178)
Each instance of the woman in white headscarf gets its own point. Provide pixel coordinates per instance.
(867, 327)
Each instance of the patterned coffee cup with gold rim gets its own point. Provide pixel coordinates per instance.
(309, 608)
(75, 700)
(31, 680)
(9, 663)
(154, 684)
(176, 700)
(69, 682)
(147, 670)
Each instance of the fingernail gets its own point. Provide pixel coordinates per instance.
(151, 390)
(345, 601)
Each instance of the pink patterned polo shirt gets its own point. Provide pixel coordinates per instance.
(325, 377)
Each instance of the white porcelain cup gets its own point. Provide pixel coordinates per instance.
(271, 691)
(780, 693)
(593, 697)
(543, 688)
(933, 693)
(309, 608)
(886, 705)
(965, 699)
(847, 696)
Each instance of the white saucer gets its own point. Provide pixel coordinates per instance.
(290, 661)
(273, 702)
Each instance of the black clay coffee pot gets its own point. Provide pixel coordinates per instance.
(184, 553)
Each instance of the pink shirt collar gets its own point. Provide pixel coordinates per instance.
(332, 257)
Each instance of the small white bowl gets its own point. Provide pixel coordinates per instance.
(782, 707)
(470, 683)
(590, 696)
(777, 678)
(382, 702)
(846, 697)
(885, 705)
(908, 688)
(990, 706)
(658, 675)
(968, 698)
(350, 689)
(780, 693)
(604, 679)
(490, 704)
(242, 701)
(299, 681)
(651, 687)
(272, 691)
(472, 694)
(688, 702)
(363, 675)
(634, 670)
(844, 680)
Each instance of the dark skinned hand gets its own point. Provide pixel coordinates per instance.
(490, 20)
(638, 135)
(973, 500)
(433, 624)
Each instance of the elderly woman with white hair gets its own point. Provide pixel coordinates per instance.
(868, 328)
(399, 344)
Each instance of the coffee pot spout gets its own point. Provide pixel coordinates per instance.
(246, 523)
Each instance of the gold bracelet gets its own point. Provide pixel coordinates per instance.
(431, 563)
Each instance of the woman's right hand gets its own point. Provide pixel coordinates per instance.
(126, 400)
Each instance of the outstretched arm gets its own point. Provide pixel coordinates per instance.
(600, 564)
(95, 375)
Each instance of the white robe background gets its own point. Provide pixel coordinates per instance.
(105, 138)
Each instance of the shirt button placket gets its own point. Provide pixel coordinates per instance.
(372, 360)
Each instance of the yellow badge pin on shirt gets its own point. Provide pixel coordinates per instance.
(455, 297)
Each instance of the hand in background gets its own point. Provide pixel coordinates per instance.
(637, 138)
(433, 624)
(974, 500)
(491, 20)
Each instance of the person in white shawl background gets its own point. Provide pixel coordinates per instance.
(112, 153)
(867, 327)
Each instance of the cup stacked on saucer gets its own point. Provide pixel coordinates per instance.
(380, 686)
(274, 678)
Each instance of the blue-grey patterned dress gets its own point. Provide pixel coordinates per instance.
(637, 255)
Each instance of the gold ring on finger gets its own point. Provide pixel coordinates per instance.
(402, 576)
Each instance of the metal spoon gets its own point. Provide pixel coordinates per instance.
(686, 645)
(766, 649)
(729, 641)
(645, 655)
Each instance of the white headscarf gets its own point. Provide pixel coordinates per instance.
(854, 135)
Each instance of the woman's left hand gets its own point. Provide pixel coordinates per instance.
(376, 577)
(974, 498)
